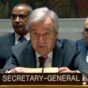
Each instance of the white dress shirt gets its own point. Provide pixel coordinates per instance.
(17, 36)
(87, 57)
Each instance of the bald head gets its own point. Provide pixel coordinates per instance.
(21, 6)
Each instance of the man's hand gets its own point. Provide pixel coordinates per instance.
(33, 70)
(66, 70)
(39, 70)
(18, 70)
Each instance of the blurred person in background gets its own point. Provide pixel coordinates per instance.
(20, 18)
(83, 43)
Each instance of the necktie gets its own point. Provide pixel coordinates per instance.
(42, 60)
(21, 39)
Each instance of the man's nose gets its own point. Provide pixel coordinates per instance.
(17, 19)
(41, 38)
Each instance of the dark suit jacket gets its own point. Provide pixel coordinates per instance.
(83, 47)
(65, 53)
(6, 42)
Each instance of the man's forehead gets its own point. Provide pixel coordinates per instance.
(20, 11)
(20, 8)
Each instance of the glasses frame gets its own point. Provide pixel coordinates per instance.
(21, 16)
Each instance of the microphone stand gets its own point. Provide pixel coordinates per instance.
(43, 67)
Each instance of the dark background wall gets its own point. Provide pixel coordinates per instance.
(64, 8)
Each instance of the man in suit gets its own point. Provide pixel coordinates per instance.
(19, 18)
(83, 43)
(62, 54)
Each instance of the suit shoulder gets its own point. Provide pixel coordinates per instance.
(66, 42)
(20, 47)
(69, 45)
(80, 42)
(7, 40)
(70, 48)
(6, 37)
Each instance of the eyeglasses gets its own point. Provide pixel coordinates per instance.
(21, 16)
(44, 36)
(86, 29)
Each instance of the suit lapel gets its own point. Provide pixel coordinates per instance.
(11, 39)
(84, 51)
(9, 42)
(57, 55)
(82, 45)
(31, 61)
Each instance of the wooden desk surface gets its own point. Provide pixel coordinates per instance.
(43, 86)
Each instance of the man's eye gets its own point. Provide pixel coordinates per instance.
(20, 16)
(13, 15)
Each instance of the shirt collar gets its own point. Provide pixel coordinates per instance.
(17, 36)
(49, 55)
